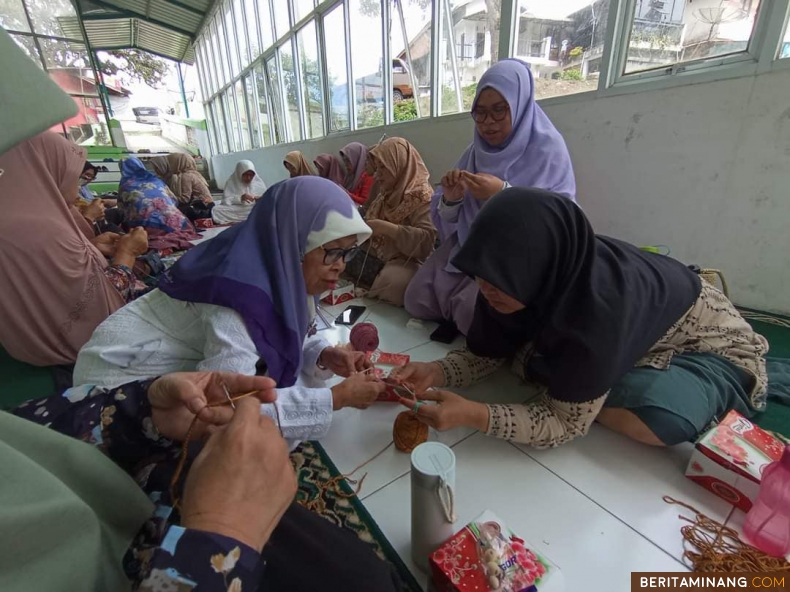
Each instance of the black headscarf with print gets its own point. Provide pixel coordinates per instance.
(594, 305)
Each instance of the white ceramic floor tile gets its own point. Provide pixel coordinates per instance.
(629, 480)
(594, 550)
(501, 387)
(356, 435)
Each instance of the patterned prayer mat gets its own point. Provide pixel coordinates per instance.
(337, 503)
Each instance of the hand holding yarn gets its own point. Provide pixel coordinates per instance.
(343, 361)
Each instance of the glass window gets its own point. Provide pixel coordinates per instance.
(265, 24)
(367, 54)
(410, 48)
(291, 97)
(784, 50)
(12, 16)
(221, 52)
(218, 110)
(252, 29)
(29, 47)
(212, 54)
(244, 121)
(201, 67)
(212, 130)
(276, 96)
(562, 43)
(301, 9)
(252, 105)
(45, 14)
(337, 83)
(469, 45)
(233, 45)
(206, 52)
(263, 107)
(63, 54)
(232, 118)
(671, 32)
(241, 32)
(281, 22)
(310, 72)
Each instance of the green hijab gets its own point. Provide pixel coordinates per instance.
(67, 512)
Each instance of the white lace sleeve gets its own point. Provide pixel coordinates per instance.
(227, 346)
(305, 413)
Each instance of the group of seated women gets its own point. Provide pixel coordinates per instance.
(353, 171)
(598, 329)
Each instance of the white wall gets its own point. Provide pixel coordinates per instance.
(704, 169)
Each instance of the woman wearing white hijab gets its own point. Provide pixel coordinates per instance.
(242, 189)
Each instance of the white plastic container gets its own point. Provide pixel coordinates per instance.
(432, 500)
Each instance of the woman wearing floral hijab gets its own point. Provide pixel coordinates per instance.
(400, 217)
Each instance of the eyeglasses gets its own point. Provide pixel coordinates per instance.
(332, 256)
(498, 113)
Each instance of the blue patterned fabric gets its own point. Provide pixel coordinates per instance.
(147, 201)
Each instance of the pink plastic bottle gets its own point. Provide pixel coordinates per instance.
(767, 525)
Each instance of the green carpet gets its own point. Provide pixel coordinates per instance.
(341, 507)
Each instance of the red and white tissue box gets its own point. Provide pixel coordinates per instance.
(343, 292)
(468, 561)
(729, 459)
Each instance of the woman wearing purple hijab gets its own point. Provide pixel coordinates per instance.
(245, 302)
(515, 144)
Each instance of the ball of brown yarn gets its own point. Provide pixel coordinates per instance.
(364, 337)
(408, 432)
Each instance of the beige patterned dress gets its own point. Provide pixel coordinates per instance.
(712, 325)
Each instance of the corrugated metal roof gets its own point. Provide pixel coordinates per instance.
(163, 27)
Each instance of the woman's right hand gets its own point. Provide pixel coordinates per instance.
(420, 375)
(247, 198)
(135, 243)
(359, 390)
(453, 187)
(243, 481)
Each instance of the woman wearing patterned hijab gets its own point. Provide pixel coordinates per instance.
(514, 144)
(403, 234)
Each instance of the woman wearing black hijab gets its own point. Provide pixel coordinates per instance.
(604, 330)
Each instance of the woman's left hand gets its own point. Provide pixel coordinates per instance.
(107, 243)
(482, 185)
(382, 228)
(247, 198)
(176, 399)
(344, 362)
(450, 411)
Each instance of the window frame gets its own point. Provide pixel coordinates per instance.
(761, 55)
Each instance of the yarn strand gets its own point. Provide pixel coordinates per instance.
(718, 548)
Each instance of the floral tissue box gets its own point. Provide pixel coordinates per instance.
(486, 556)
(729, 459)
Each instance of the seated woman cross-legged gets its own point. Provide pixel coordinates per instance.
(245, 302)
(602, 329)
(400, 217)
(242, 189)
(515, 144)
(60, 280)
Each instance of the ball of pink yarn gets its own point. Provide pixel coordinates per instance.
(365, 337)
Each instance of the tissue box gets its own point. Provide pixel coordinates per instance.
(459, 564)
(343, 292)
(729, 459)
